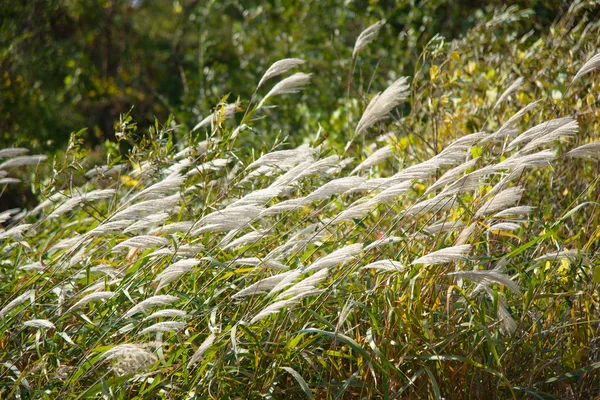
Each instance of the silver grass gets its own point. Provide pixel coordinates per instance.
(105, 170)
(279, 305)
(167, 313)
(451, 175)
(289, 280)
(449, 254)
(167, 326)
(465, 142)
(513, 87)
(377, 157)
(16, 232)
(287, 205)
(443, 226)
(590, 150)
(504, 227)
(356, 211)
(210, 339)
(154, 301)
(374, 184)
(541, 158)
(5, 215)
(227, 110)
(564, 132)
(268, 262)
(172, 182)
(319, 166)
(366, 37)
(390, 194)
(292, 175)
(383, 241)
(29, 294)
(262, 286)
(336, 186)
(508, 322)
(74, 201)
(108, 227)
(39, 324)
(100, 284)
(381, 105)
(505, 129)
(186, 250)
(339, 256)
(147, 222)
(280, 67)
(9, 181)
(557, 255)
(291, 84)
(591, 65)
(259, 197)
(501, 201)
(142, 242)
(35, 266)
(466, 234)
(174, 271)
(147, 207)
(182, 226)
(129, 358)
(488, 277)
(540, 130)
(213, 165)
(434, 205)
(385, 265)
(22, 160)
(10, 152)
(249, 238)
(514, 212)
(96, 296)
(284, 159)
(304, 286)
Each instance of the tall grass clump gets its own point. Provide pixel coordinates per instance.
(448, 253)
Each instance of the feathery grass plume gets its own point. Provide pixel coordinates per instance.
(228, 219)
(366, 37)
(289, 280)
(130, 358)
(174, 271)
(167, 326)
(320, 166)
(108, 227)
(510, 90)
(561, 133)
(306, 285)
(507, 129)
(503, 200)
(287, 205)
(213, 165)
(248, 238)
(182, 226)
(227, 110)
(147, 207)
(377, 157)
(280, 67)
(557, 255)
(148, 222)
(435, 205)
(100, 284)
(541, 158)
(333, 187)
(280, 305)
(10, 152)
(443, 226)
(39, 324)
(20, 161)
(9, 181)
(210, 339)
(451, 175)
(170, 183)
(591, 65)
(385, 265)
(167, 313)
(339, 256)
(487, 278)
(383, 241)
(589, 150)
(381, 105)
(514, 212)
(105, 170)
(540, 130)
(504, 227)
(291, 84)
(390, 194)
(355, 211)
(142, 242)
(449, 254)
(268, 262)
(78, 199)
(262, 286)
(5, 215)
(154, 301)
(16, 232)
(284, 159)
(259, 197)
(186, 250)
(35, 266)
(96, 296)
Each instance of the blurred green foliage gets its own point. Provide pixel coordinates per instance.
(68, 64)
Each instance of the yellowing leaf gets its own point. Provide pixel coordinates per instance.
(128, 181)
(434, 72)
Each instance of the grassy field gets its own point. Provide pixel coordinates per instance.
(436, 237)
